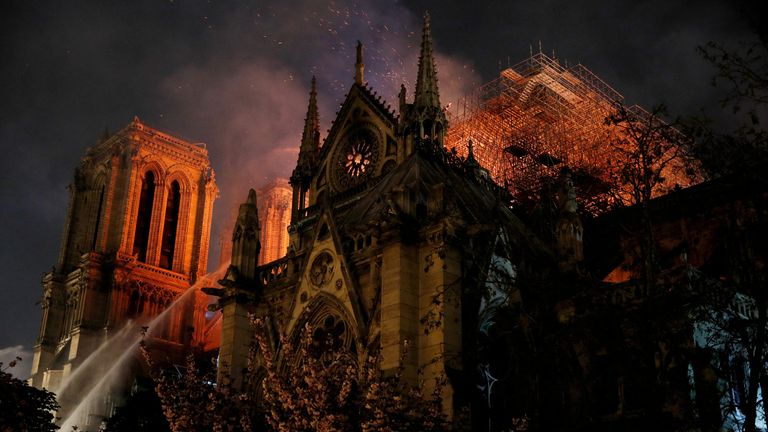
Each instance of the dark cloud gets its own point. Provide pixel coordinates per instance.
(235, 75)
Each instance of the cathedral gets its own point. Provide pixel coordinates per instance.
(394, 240)
(539, 318)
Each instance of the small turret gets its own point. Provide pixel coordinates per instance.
(472, 166)
(245, 242)
(241, 290)
(471, 161)
(568, 226)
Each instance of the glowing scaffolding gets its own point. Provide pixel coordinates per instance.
(537, 117)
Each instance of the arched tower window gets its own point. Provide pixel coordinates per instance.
(170, 226)
(144, 217)
(97, 224)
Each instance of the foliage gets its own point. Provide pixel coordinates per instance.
(23, 407)
(653, 153)
(332, 393)
(311, 391)
(743, 74)
(732, 315)
(191, 401)
(733, 322)
(655, 158)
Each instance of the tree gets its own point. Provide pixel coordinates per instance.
(732, 320)
(733, 316)
(743, 74)
(329, 391)
(312, 387)
(191, 401)
(653, 160)
(23, 407)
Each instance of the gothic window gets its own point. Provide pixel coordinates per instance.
(170, 226)
(144, 217)
(331, 338)
(97, 224)
(427, 125)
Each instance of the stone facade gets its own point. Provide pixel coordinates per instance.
(538, 320)
(136, 237)
(388, 232)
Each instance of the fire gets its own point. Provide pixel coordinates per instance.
(538, 117)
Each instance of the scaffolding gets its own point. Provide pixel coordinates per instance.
(536, 118)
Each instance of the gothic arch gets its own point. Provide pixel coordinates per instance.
(97, 209)
(181, 177)
(176, 218)
(145, 214)
(156, 167)
(332, 326)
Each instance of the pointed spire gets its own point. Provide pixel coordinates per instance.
(252, 199)
(359, 65)
(471, 161)
(310, 144)
(401, 100)
(426, 81)
(310, 139)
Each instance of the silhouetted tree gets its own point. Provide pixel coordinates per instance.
(329, 391)
(23, 407)
(743, 74)
(733, 315)
(654, 157)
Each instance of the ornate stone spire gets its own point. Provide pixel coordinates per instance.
(424, 121)
(245, 242)
(310, 140)
(427, 94)
(359, 65)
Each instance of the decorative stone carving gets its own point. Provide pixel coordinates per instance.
(321, 270)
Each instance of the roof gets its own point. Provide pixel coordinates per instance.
(471, 200)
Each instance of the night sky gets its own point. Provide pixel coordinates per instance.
(235, 75)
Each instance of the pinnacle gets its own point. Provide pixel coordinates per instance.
(359, 65)
(427, 94)
(310, 139)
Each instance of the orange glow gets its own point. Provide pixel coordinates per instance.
(538, 117)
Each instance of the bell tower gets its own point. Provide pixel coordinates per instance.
(135, 237)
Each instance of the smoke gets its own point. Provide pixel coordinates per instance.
(248, 101)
